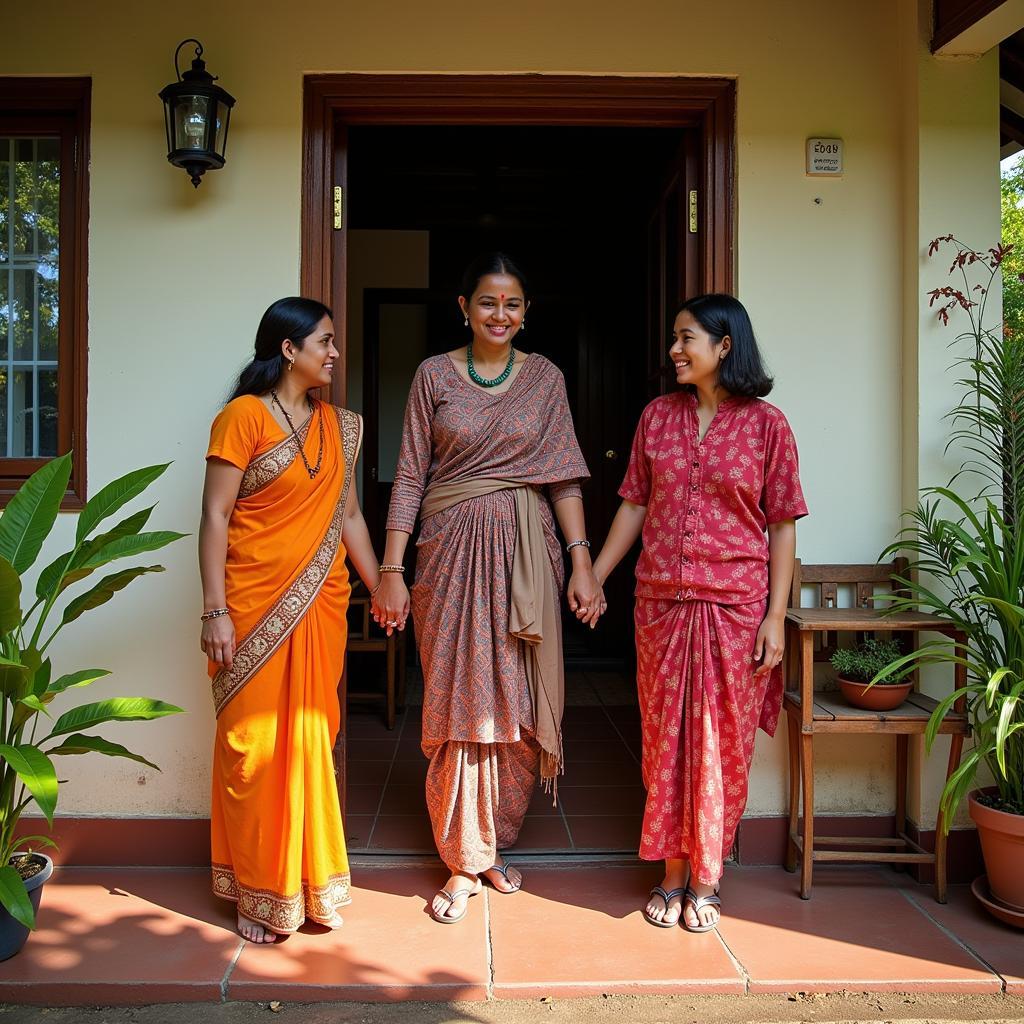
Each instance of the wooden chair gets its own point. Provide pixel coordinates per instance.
(810, 713)
(365, 635)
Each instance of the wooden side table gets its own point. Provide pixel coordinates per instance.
(810, 713)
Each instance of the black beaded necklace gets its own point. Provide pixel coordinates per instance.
(311, 470)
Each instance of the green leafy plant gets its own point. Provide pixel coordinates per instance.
(869, 662)
(968, 550)
(30, 736)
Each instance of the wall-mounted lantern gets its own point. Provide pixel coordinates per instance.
(197, 113)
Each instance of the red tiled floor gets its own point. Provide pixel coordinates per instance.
(999, 945)
(604, 750)
(598, 773)
(403, 832)
(578, 933)
(112, 935)
(362, 799)
(540, 803)
(404, 799)
(602, 799)
(409, 772)
(856, 931)
(388, 949)
(605, 831)
(371, 750)
(357, 830)
(366, 773)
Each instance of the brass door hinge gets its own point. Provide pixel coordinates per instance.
(693, 211)
(338, 208)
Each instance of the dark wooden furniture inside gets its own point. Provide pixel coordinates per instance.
(810, 713)
(365, 635)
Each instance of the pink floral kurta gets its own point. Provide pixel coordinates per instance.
(702, 586)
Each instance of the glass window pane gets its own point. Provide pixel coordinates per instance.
(5, 311)
(23, 200)
(47, 200)
(5, 195)
(49, 308)
(47, 413)
(23, 311)
(3, 412)
(20, 428)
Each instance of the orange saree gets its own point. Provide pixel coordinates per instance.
(278, 846)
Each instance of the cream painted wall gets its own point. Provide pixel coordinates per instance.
(178, 278)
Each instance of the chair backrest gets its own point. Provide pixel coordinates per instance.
(862, 582)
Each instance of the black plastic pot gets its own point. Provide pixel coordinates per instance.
(13, 934)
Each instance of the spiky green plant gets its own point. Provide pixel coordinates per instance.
(29, 734)
(967, 550)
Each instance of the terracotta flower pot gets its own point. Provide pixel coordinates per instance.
(13, 934)
(1002, 845)
(880, 697)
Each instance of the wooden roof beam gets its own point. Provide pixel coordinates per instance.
(973, 27)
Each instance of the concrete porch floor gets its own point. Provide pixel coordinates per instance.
(119, 936)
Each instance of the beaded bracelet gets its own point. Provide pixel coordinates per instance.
(576, 544)
(213, 613)
(390, 568)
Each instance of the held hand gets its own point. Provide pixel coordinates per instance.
(390, 605)
(217, 640)
(586, 597)
(769, 645)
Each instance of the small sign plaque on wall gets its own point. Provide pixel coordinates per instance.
(824, 157)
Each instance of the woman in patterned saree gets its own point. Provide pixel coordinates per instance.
(713, 486)
(475, 454)
(279, 517)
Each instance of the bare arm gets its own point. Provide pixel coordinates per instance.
(217, 639)
(584, 593)
(626, 527)
(771, 637)
(356, 538)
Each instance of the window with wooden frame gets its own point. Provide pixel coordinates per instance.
(44, 162)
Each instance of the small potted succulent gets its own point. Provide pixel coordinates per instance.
(856, 669)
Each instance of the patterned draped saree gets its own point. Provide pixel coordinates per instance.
(277, 836)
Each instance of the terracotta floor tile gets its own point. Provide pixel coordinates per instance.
(603, 799)
(542, 832)
(406, 832)
(577, 726)
(409, 748)
(357, 830)
(408, 772)
(605, 831)
(366, 773)
(362, 799)
(371, 725)
(857, 931)
(607, 750)
(595, 940)
(996, 943)
(540, 803)
(409, 798)
(123, 936)
(388, 949)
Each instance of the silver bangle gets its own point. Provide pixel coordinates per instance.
(577, 543)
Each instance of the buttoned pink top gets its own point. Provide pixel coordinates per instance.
(709, 502)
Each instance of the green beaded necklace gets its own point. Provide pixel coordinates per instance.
(483, 382)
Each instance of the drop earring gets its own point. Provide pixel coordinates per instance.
(522, 326)
(291, 365)
(465, 323)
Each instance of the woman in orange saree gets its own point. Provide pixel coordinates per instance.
(279, 518)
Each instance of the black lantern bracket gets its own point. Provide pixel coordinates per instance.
(197, 115)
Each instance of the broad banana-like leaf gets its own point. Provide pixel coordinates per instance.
(28, 706)
(12, 678)
(116, 709)
(14, 897)
(67, 569)
(104, 591)
(36, 770)
(41, 676)
(117, 493)
(31, 513)
(81, 744)
(10, 597)
(125, 547)
(81, 678)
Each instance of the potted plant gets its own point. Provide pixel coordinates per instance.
(30, 734)
(863, 675)
(967, 544)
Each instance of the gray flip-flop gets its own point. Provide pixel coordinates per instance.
(502, 870)
(698, 903)
(443, 917)
(666, 896)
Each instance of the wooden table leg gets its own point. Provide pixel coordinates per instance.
(955, 748)
(792, 727)
(902, 771)
(807, 779)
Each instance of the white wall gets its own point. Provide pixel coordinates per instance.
(178, 278)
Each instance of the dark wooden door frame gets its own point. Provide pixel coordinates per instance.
(331, 103)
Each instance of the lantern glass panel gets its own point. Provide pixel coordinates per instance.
(223, 115)
(191, 116)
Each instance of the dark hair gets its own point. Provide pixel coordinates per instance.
(490, 263)
(294, 318)
(742, 371)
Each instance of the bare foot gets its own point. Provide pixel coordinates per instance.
(461, 886)
(253, 931)
(676, 874)
(707, 916)
(510, 880)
